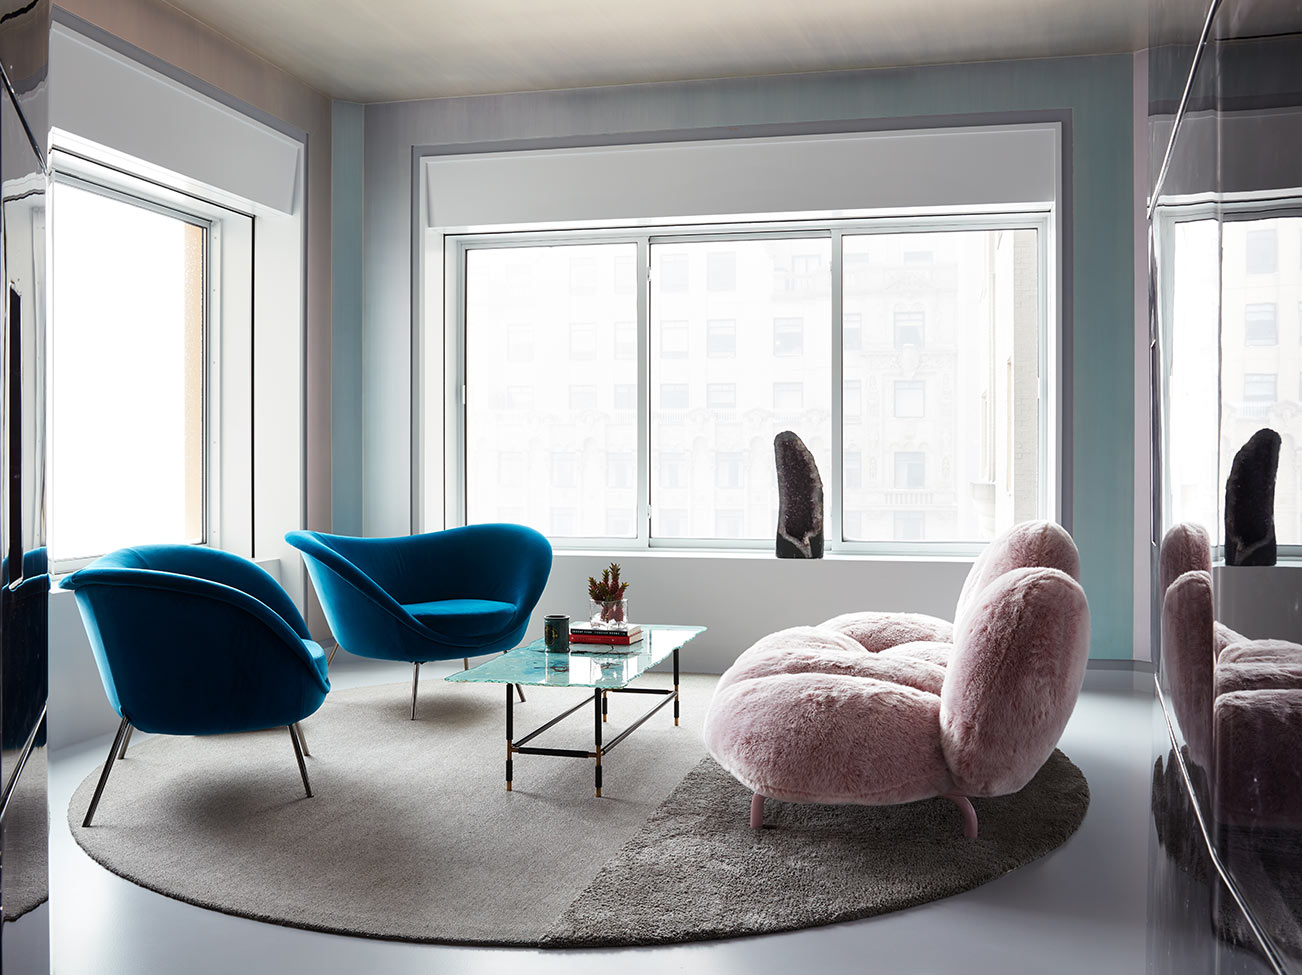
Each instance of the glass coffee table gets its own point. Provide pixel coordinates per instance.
(605, 671)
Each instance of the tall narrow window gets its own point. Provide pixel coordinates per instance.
(949, 366)
(127, 390)
(763, 362)
(571, 331)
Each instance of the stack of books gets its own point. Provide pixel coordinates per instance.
(623, 635)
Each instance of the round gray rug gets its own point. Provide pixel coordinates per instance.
(412, 836)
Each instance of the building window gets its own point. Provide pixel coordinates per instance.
(626, 340)
(519, 399)
(788, 336)
(909, 328)
(721, 271)
(1260, 388)
(910, 470)
(620, 468)
(583, 275)
(519, 343)
(1261, 249)
(729, 470)
(673, 470)
(674, 396)
(729, 523)
(788, 397)
(674, 340)
(626, 396)
(721, 396)
(565, 469)
(852, 331)
(672, 523)
(852, 401)
(1259, 324)
(909, 526)
(910, 398)
(582, 340)
(852, 466)
(583, 398)
(673, 273)
(721, 338)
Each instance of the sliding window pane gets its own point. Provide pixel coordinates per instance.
(127, 332)
(734, 366)
(562, 401)
(941, 346)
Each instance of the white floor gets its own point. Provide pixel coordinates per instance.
(1079, 910)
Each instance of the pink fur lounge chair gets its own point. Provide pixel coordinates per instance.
(881, 708)
(1237, 702)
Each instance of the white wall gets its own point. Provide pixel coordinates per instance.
(743, 597)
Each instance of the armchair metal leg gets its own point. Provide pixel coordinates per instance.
(302, 738)
(330, 657)
(415, 679)
(298, 753)
(108, 767)
(122, 752)
(520, 690)
(465, 663)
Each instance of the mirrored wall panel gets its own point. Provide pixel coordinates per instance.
(1226, 302)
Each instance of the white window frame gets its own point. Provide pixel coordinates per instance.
(1040, 218)
(227, 341)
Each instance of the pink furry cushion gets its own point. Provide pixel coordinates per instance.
(770, 653)
(1258, 778)
(1223, 636)
(1260, 665)
(932, 651)
(1018, 664)
(1185, 548)
(878, 631)
(1188, 659)
(808, 650)
(829, 738)
(1025, 545)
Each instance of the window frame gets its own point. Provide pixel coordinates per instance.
(227, 343)
(1036, 217)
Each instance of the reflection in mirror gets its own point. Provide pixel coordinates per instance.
(1227, 304)
(24, 577)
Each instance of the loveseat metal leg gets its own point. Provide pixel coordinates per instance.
(757, 811)
(108, 767)
(122, 752)
(298, 753)
(969, 814)
(415, 679)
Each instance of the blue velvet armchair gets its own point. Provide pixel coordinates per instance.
(437, 596)
(194, 641)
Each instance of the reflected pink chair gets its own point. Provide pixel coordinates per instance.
(878, 708)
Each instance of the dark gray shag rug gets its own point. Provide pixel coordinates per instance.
(411, 835)
(26, 840)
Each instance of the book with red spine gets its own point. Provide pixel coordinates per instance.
(607, 639)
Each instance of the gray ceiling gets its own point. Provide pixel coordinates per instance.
(387, 50)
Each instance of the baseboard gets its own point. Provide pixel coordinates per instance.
(1119, 675)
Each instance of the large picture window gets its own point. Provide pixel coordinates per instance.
(910, 357)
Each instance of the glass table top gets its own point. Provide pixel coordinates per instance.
(531, 664)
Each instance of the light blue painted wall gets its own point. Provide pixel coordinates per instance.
(348, 128)
(1095, 90)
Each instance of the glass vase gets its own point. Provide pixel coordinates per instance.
(611, 612)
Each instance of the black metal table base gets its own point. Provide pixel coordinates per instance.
(599, 712)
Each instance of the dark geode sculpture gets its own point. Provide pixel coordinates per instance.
(800, 499)
(1250, 501)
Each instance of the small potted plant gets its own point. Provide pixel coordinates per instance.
(609, 607)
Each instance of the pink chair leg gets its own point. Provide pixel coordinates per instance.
(969, 814)
(757, 811)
